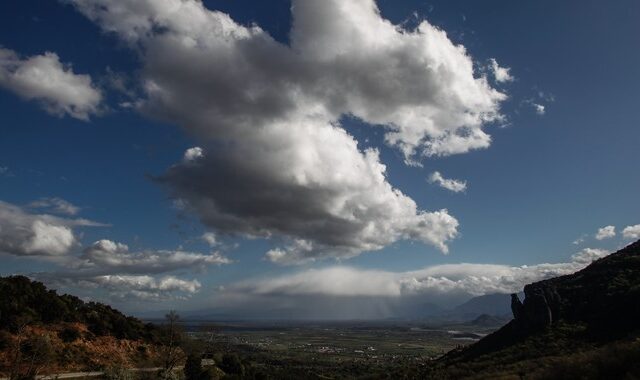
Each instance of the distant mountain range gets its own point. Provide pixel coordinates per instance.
(359, 309)
(491, 304)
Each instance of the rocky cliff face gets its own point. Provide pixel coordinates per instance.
(540, 308)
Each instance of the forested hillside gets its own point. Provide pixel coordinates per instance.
(26, 302)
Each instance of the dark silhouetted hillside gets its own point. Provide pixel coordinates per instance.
(564, 324)
(29, 302)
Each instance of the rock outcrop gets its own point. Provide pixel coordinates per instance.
(541, 307)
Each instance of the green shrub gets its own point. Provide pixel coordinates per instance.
(69, 334)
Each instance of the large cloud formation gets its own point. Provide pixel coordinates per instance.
(25, 234)
(273, 156)
(45, 79)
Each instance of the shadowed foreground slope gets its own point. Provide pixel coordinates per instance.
(42, 330)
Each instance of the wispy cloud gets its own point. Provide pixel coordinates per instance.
(454, 185)
(501, 74)
(56, 205)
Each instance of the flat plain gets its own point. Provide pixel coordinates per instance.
(330, 349)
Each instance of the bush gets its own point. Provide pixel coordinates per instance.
(69, 334)
(193, 367)
(232, 365)
(211, 373)
(5, 340)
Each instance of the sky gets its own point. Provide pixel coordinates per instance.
(314, 158)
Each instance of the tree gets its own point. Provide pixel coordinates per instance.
(30, 354)
(172, 336)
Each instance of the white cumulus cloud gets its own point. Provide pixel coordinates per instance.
(273, 159)
(501, 74)
(192, 154)
(45, 79)
(539, 108)
(24, 234)
(631, 232)
(605, 232)
(587, 255)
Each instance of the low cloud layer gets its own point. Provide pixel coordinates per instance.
(449, 279)
(273, 159)
(148, 288)
(344, 292)
(450, 184)
(107, 256)
(128, 288)
(45, 79)
(150, 275)
(26, 234)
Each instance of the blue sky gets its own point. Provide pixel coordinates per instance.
(545, 180)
